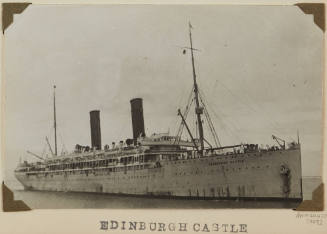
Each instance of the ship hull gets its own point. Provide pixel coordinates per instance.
(247, 176)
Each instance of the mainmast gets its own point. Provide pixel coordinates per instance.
(198, 109)
(54, 116)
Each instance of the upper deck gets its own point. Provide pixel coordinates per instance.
(142, 155)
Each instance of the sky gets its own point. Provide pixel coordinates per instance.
(260, 68)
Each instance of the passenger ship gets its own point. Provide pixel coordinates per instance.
(167, 166)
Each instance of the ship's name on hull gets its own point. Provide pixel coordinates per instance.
(130, 226)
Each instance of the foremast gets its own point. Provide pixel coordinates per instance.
(54, 118)
(198, 108)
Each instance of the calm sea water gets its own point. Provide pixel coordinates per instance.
(72, 200)
(69, 200)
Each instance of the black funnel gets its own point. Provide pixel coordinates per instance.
(137, 118)
(95, 129)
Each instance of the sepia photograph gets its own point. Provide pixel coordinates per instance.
(163, 106)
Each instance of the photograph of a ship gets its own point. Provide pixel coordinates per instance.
(191, 161)
(165, 165)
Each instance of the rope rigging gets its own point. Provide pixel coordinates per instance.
(185, 113)
(254, 106)
(196, 96)
(207, 117)
(210, 124)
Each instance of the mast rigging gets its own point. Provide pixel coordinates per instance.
(188, 130)
(198, 109)
(181, 126)
(47, 140)
(35, 155)
(211, 126)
